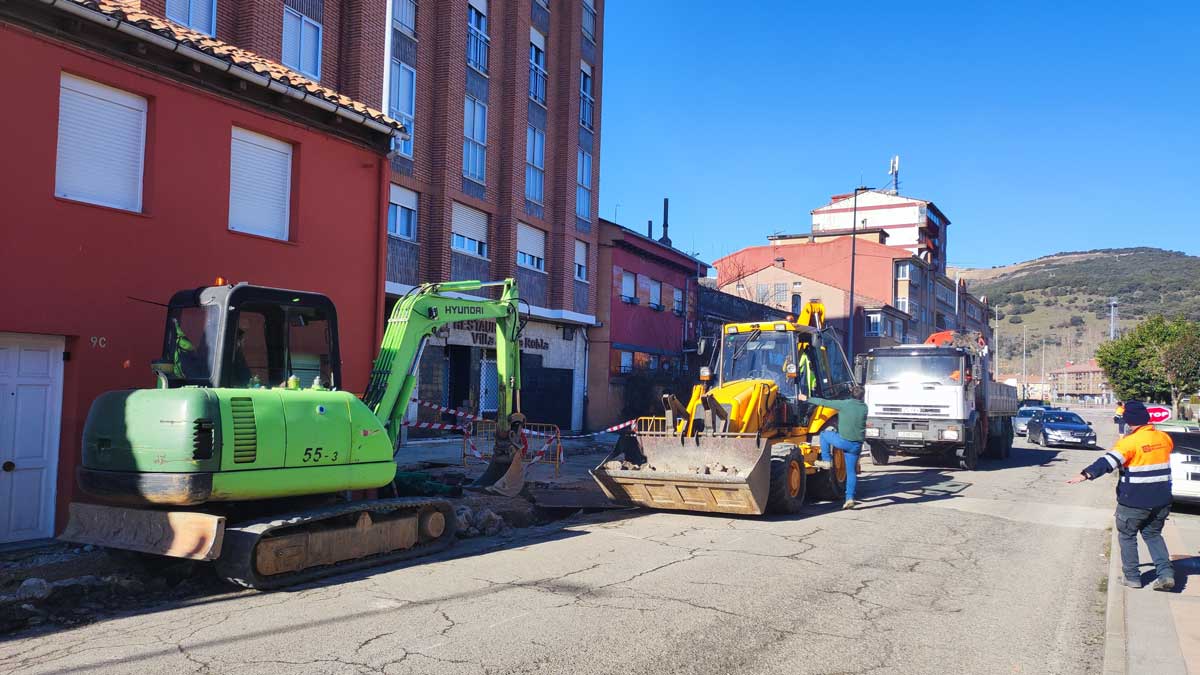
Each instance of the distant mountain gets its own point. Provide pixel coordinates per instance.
(1063, 298)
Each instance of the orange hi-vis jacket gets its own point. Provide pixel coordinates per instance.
(1144, 460)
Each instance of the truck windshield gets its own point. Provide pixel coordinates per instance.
(759, 355)
(908, 369)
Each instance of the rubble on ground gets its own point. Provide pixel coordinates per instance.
(714, 469)
(479, 522)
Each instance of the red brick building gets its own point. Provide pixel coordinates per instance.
(647, 319)
(500, 179)
(144, 158)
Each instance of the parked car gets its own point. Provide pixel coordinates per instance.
(1033, 403)
(1059, 427)
(1185, 462)
(1021, 421)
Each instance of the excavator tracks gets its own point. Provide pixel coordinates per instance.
(294, 548)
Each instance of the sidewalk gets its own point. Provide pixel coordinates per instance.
(1156, 632)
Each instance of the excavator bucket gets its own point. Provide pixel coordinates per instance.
(179, 534)
(716, 473)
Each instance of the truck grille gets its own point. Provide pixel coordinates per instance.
(245, 431)
(918, 411)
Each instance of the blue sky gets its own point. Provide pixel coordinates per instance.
(1035, 129)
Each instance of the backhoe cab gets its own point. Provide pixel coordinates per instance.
(744, 443)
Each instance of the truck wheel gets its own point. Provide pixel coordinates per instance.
(788, 481)
(1006, 439)
(970, 459)
(880, 455)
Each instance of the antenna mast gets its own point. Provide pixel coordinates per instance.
(894, 172)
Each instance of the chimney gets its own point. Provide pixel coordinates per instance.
(650, 228)
(665, 240)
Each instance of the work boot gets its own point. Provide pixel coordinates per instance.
(1132, 583)
(823, 464)
(1163, 584)
(848, 505)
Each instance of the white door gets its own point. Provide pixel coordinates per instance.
(31, 369)
(489, 386)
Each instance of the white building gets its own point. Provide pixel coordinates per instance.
(915, 225)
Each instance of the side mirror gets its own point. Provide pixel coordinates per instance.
(860, 368)
(1089, 424)
(165, 371)
(702, 346)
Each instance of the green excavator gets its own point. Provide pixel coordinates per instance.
(248, 452)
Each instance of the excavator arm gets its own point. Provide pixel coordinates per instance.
(414, 319)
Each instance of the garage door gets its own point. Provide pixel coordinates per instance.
(30, 409)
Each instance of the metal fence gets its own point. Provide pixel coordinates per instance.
(542, 443)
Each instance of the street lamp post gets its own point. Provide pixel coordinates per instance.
(853, 252)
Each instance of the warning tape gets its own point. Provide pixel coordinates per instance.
(449, 411)
(435, 425)
(615, 427)
(476, 418)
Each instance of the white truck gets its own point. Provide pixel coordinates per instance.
(937, 398)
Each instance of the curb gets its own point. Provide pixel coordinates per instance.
(1115, 662)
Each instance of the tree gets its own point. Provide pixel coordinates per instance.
(1156, 361)
(1180, 363)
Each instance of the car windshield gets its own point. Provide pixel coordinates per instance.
(762, 355)
(1063, 418)
(922, 369)
(1027, 412)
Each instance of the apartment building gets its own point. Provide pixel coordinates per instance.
(1080, 381)
(499, 179)
(915, 225)
(146, 157)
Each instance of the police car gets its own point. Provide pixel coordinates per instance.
(1185, 461)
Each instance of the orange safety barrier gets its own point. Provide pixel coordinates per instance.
(543, 443)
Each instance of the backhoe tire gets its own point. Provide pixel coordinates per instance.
(880, 455)
(788, 481)
(826, 485)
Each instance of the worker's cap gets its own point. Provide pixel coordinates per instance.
(1136, 414)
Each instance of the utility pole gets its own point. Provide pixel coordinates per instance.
(1043, 388)
(853, 253)
(1112, 318)
(1024, 369)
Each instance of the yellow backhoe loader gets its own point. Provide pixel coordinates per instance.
(743, 443)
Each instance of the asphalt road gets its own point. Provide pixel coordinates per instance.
(1001, 570)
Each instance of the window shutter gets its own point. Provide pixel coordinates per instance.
(537, 39)
(404, 197)
(101, 144)
(531, 240)
(177, 11)
(469, 222)
(202, 16)
(586, 67)
(291, 38)
(628, 285)
(260, 177)
(310, 59)
(581, 253)
(479, 5)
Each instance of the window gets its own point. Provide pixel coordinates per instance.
(477, 36)
(586, 102)
(872, 328)
(945, 295)
(402, 102)
(653, 362)
(762, 293)
(404, 14)
(589, 20)
(101, 144)
(626, 362)
(531, 247)
(535, 164)
(537, 66)
(780, 294)
(469, 230)
(474, 139)
(301, 43)
(195, 14)
(583, 187)
(655, 294)
(902, 304)
(581, 260)
(902, 271)
(677, 301)
(260, 184)
(797, 304)
(402, 213)
(629, 287)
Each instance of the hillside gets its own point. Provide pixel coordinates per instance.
(1063, 298)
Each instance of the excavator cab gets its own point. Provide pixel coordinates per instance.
(245, 337)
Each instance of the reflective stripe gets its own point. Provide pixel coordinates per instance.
(1149, 479)
(1150, 467)
(1113, 461)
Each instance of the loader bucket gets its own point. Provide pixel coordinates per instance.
(685, 474)
(179, 534)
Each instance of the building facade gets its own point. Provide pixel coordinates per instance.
(1080, 381)
(150, 158)
(500, 179)
(646, 322)
(915, 225)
